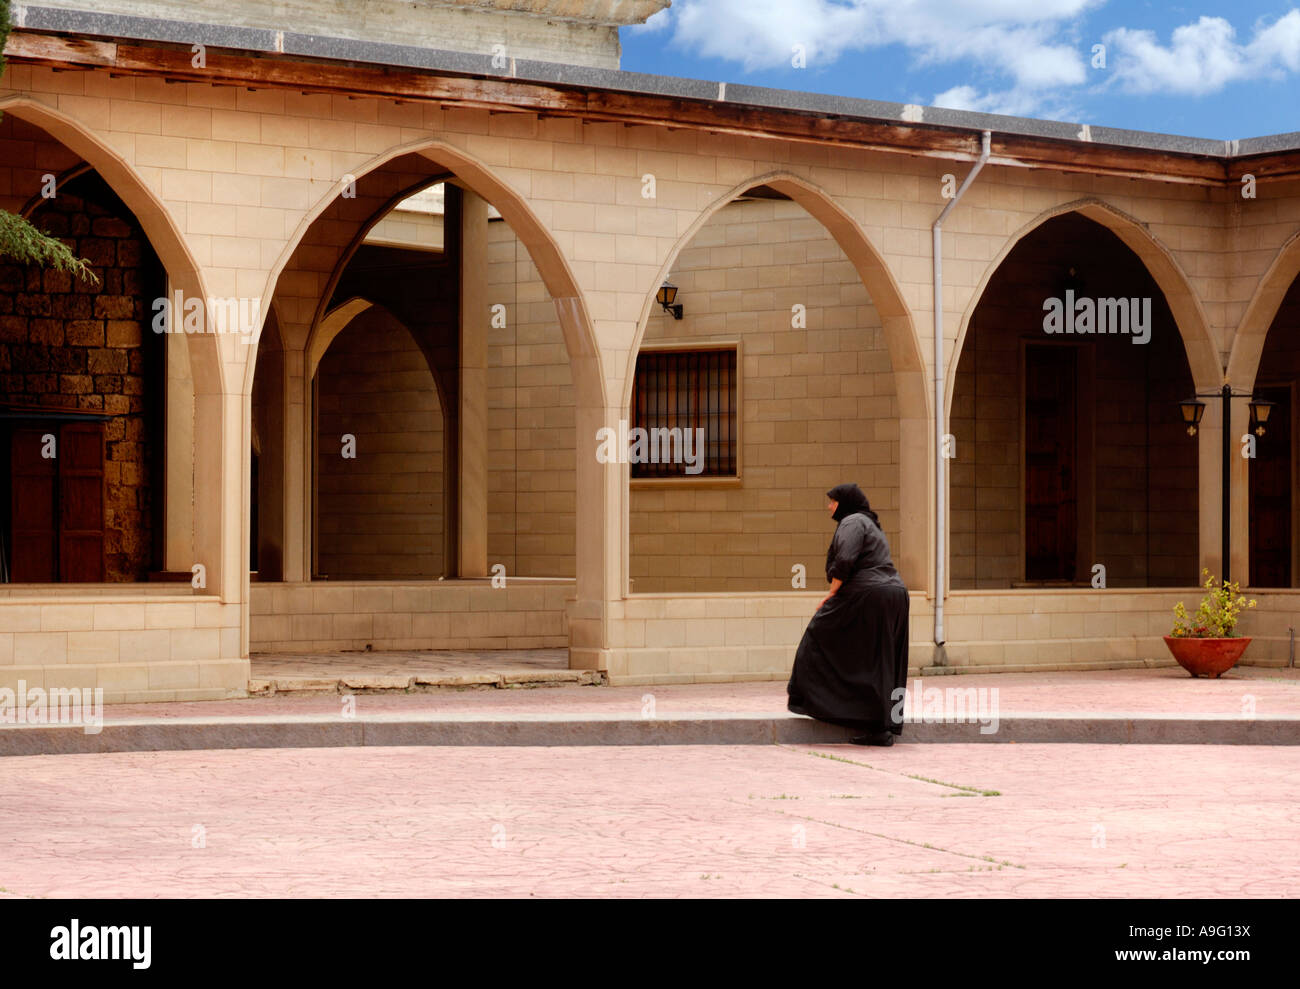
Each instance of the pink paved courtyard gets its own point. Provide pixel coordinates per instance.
(673, 821)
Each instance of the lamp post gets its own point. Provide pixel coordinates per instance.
(1193, 409)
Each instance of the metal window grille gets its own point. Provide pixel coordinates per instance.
(689, 389)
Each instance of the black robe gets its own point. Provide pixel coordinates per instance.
(851, 667)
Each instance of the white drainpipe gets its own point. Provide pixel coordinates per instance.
(940, 476)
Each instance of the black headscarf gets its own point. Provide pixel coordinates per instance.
(851, 500)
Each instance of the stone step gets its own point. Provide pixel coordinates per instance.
(567, 729)
(375, 683)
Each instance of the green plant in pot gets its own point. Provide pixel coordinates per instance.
(1207, 643)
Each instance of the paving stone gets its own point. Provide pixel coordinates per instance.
(458, 679)
(936, 821)
(377, 682)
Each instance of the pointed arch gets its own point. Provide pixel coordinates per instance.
(901, 343)
(339, 319)
(1252, 332)
(200, 527)
(323, 332)
(552, 266)
(899, 330)
(1188, 313)
(155, 219)
(596, 482)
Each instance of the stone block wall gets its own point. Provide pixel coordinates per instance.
(157, 642)
(453, 614)
(531, 471)
(817, 406)
(381, 513)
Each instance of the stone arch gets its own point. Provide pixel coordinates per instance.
(341, 263)
(899, 329)
(1148, 526)
(596, 483)
(66, 176)
(156, 220)
(552, 265)
(901, 342)
(326, 329)
(200, 529)
(1252, 332)
(339, 319)
(1188, 312)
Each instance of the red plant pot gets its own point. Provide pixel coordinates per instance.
(1207, 657)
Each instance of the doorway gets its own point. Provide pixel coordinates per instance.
(1051, 462)
(54, 500)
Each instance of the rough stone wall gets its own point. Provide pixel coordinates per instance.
(817, 406)
(69, 343)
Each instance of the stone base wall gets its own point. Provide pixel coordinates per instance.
(156, 643)
(380, 508)
(702, 638)
(329, 616)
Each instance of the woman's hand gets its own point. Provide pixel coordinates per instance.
(835, 586)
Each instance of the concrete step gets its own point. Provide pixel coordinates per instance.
(377, 683)
(149, 734)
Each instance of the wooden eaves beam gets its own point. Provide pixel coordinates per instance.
(270, 71)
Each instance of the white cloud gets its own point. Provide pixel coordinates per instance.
(1010, 102)
(1011, 36)
(1204, 57)
(1029, 50)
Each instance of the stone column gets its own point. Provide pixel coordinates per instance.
(178, 541)
(473, 427)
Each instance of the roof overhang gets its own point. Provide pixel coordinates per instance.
(281, 59)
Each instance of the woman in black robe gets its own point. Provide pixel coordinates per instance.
(851, 667)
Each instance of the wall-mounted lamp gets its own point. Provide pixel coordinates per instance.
(666, 296)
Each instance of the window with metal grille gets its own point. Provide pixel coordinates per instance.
(686, 390)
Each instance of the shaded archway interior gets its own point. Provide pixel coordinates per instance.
(82, 379)
(1274, 507)
(387, 400)
(1070, 449)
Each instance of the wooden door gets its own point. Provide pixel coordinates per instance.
(56, 503)
(33, 482)
(1051, 463)
(1270, 496)
(81, 502)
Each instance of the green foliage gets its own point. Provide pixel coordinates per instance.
(1217, 614)
(27, 245)
(18, 238)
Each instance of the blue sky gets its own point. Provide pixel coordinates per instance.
(1216, 70)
